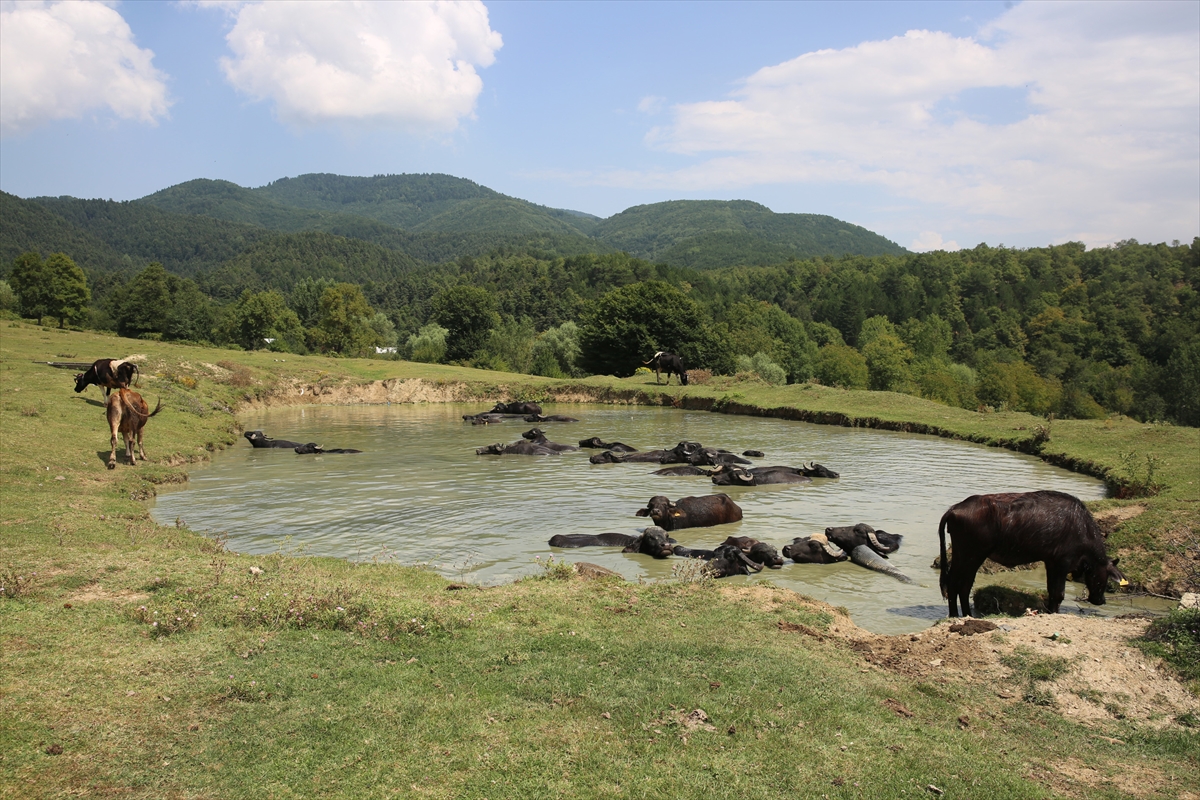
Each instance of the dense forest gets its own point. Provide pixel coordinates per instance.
(435, 268)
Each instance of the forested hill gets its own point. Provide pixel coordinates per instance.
(704, 234)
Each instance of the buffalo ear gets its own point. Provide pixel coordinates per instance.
(643, 512)
(1115, 560)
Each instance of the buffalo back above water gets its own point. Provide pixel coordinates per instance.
(1021, 528)
(653, 541)
(691, 512)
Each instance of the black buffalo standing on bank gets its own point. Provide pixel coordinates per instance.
(668, 363)
(653, 541)
(108, 374)
(691, 512)
(1020, 528)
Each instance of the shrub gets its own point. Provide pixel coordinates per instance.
(841, 365)
(1176, 639)
(760, 364)
(428, 345)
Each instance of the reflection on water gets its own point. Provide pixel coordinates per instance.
(419, 494)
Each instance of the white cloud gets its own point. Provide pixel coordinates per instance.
(404, 64)
(651, 104)
(931, 240)
(1109, 146)
(61, 60)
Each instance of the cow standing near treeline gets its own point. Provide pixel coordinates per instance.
(1020, 528)
(108, 374)
(668, 363)
(127, 413)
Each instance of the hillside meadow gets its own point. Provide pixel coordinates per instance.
(148, 661)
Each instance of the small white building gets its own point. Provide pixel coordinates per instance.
(384, 350)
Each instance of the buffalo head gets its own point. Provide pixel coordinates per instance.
(815, 549)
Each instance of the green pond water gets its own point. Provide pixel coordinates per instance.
(418, 494)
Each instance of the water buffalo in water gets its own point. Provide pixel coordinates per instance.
(815, 549)
(538, 436)
(753, 453)
(682, 471)
(850, 537)
(260, 439)
(487, 418)
(759, 552)
(549, 418)
(521, 448)
(653, 541)
(127, 414)
(692, 453)
(723, 561)
(313, 447)
(519, 408)
(616, 447)
(691, 512)
(109, 374)
(758, 476)
(1020, 528)
(668, 363)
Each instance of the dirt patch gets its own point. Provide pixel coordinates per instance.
(1106, 677)
(1134, 780)
(91, 594)
(1120, 514)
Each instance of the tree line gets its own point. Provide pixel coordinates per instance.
(1056, 330)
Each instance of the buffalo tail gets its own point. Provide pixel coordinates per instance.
(943, 567)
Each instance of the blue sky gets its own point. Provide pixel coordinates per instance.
(938, 124)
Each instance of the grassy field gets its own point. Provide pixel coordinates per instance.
(147, 661)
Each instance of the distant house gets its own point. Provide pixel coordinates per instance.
(270, 341)
(384, 350)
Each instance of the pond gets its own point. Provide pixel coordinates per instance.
(418, 494)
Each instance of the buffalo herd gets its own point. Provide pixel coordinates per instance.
(1012, 529)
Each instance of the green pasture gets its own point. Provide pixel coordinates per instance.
(144, 661)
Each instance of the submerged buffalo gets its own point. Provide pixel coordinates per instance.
(653, 541)
(616, 447)
(691, 512)
(723, 560)
(852, 536)
(521, 448)
(487, 418)
(313, 447)
(260, 439)
(1020, 528)
(549, 418)
(518, 408)
(758, 476)
(538, 436)
(815, 549)
(682, 471)
(759, 552)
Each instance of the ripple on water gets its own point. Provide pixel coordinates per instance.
(419, 494)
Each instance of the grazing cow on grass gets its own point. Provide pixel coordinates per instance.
(1020, 528)
(668, 363)
(127, 413)
(109, 374)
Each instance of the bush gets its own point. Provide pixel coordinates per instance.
(1176, 639)
(841, 365)
(428, 345)
(762, 366)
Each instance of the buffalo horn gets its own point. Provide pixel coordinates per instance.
(754, 565)
(832, 549)
(875, 540)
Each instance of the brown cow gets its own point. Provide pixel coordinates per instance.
(127, 413)
(1020, 528)
(108, 373)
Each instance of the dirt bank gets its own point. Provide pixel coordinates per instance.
(1106, 677)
